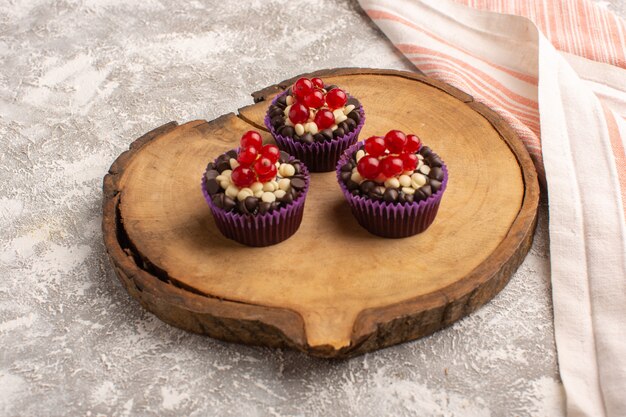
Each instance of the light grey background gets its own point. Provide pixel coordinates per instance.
(79, 80)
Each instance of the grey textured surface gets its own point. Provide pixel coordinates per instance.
(80, 80)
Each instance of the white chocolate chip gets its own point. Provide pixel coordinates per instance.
(392, 183)
(356, 177)
(341, 118)
(289, 100)
(359, 154)
(405, 180)
(233, 163)
(312, 127)
(420, 156)
(420, 163)
(268, 197)
(286, 170)
(417, 180)
(286, 111)
(408, 190)
(259, 193)
(269, 186)
(221, 178)
(244, 193)
(256, 186)
(232, 191)
(299, 129)
(224, 184)
(337, 113)
(227, 173)
(333, 127)
(280, 193)
(425, 169)
(277, 164)
(284, 184)
(348, 109)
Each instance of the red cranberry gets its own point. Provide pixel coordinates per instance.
(251, 139)
(298, 113)
(314, 99)
(263, 165)
(413, 144)
(317, 82)
(391, 166)
(269, 175)
(324, 119)
(409, 161)
(368, 167)
(336, 98)
(242, 176)
(271, 152)
(395, 141)
(247, 156)
(302, 87)
(375, 146)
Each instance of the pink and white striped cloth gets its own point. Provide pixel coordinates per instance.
(556, 71)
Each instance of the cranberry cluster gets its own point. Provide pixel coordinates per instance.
(256, 162)
(309, 94)
(389, 156)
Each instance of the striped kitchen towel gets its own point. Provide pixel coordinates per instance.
(556, 71)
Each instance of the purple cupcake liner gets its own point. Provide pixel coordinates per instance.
(260, 229)
(318, 156)
(391, 220)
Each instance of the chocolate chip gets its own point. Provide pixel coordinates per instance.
(241, 207)
(318, 137)
(264, 207)
(420, 195)
(210, 166)
(377, 192)
(351, 185)
(367, 186)
(277, 112)
(425, 151)
(435, 161)
(231, 154)
(296, 137)
(354, 115)
(355, 192)
(339, 132)
(390, 195)
(229, 203)
(277, 121)
(212, 186)
(287, 198)
(330, 87)
(298, 183)
(287, 131)
(426, 190)
(435, 185)
(288, 92)
(436, 173)
(307, 138)
(211, 174)
(283, 157)
(343, 125)
(218, 200)
(347, 167)
(409, 198)
(297, 167)
(327, 133)
(222, 165)
(351, 124)
(282, 101)
(251, 203)
(273, 205)
(354, 102)
(345, 176)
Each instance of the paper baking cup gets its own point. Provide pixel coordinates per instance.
(318, 156)
(392, 220)
(260, 229)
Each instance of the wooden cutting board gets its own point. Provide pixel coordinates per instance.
(333, 289)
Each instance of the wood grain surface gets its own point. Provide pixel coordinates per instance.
(333, 289)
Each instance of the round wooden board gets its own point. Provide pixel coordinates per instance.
(333, 289)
